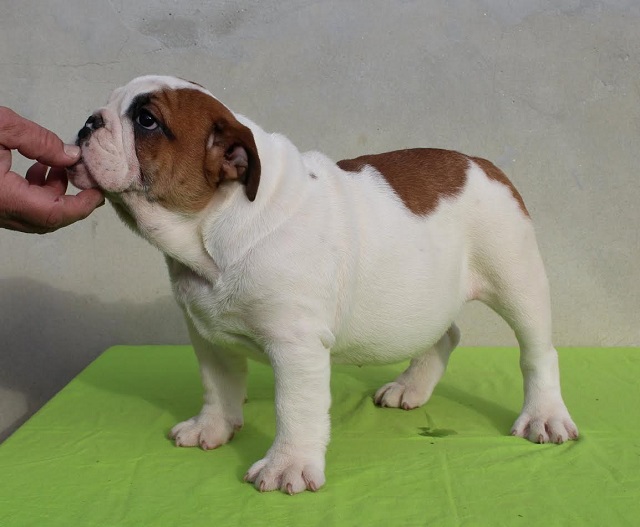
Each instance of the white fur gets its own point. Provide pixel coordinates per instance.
(333, 268)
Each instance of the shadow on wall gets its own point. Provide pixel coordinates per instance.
(48, 336)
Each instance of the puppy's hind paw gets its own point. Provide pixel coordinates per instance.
(397, 395)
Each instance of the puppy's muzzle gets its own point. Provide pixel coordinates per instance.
(94, 122)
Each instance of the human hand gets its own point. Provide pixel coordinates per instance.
(38, 203)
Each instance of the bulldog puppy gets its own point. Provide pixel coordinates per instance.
(297, 261)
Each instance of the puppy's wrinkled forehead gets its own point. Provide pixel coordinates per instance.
(123, 97)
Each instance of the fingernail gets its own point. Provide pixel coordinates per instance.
(72, 150)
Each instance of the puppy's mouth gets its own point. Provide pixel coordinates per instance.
(81, 169)
(80, 164)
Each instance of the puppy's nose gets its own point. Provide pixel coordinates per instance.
(95, 122)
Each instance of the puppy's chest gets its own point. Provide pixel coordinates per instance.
(213, 308)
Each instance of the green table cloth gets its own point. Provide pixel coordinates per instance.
(97, 453)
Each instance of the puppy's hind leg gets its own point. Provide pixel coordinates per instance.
(516, 287)
(224, 380)
(414, 386)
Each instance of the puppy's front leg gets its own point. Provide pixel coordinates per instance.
(295, 461)
(224, 380)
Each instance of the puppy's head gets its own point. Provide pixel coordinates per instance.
(166, 141)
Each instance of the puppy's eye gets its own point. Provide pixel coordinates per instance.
(147, 120)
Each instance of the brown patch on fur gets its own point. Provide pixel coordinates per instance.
(181, 167)
(493, 172)
(420, 176)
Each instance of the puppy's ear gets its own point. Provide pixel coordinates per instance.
(232, 155)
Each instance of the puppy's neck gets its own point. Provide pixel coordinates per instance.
(177, 235)
(233, 224)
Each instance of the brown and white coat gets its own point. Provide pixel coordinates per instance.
(294, 260)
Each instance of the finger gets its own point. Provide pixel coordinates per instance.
(57, 180)
(5, 159)
(21, 226)
(34, 141)
(39, 207)
(36, 175)
(69, 209)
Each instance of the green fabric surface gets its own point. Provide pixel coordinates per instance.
(97, 453)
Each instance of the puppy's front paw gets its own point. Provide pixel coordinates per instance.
(204, 430)
(544, 426)
(288, 473)
(398, 395)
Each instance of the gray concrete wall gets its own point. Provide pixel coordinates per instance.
(549, 90)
